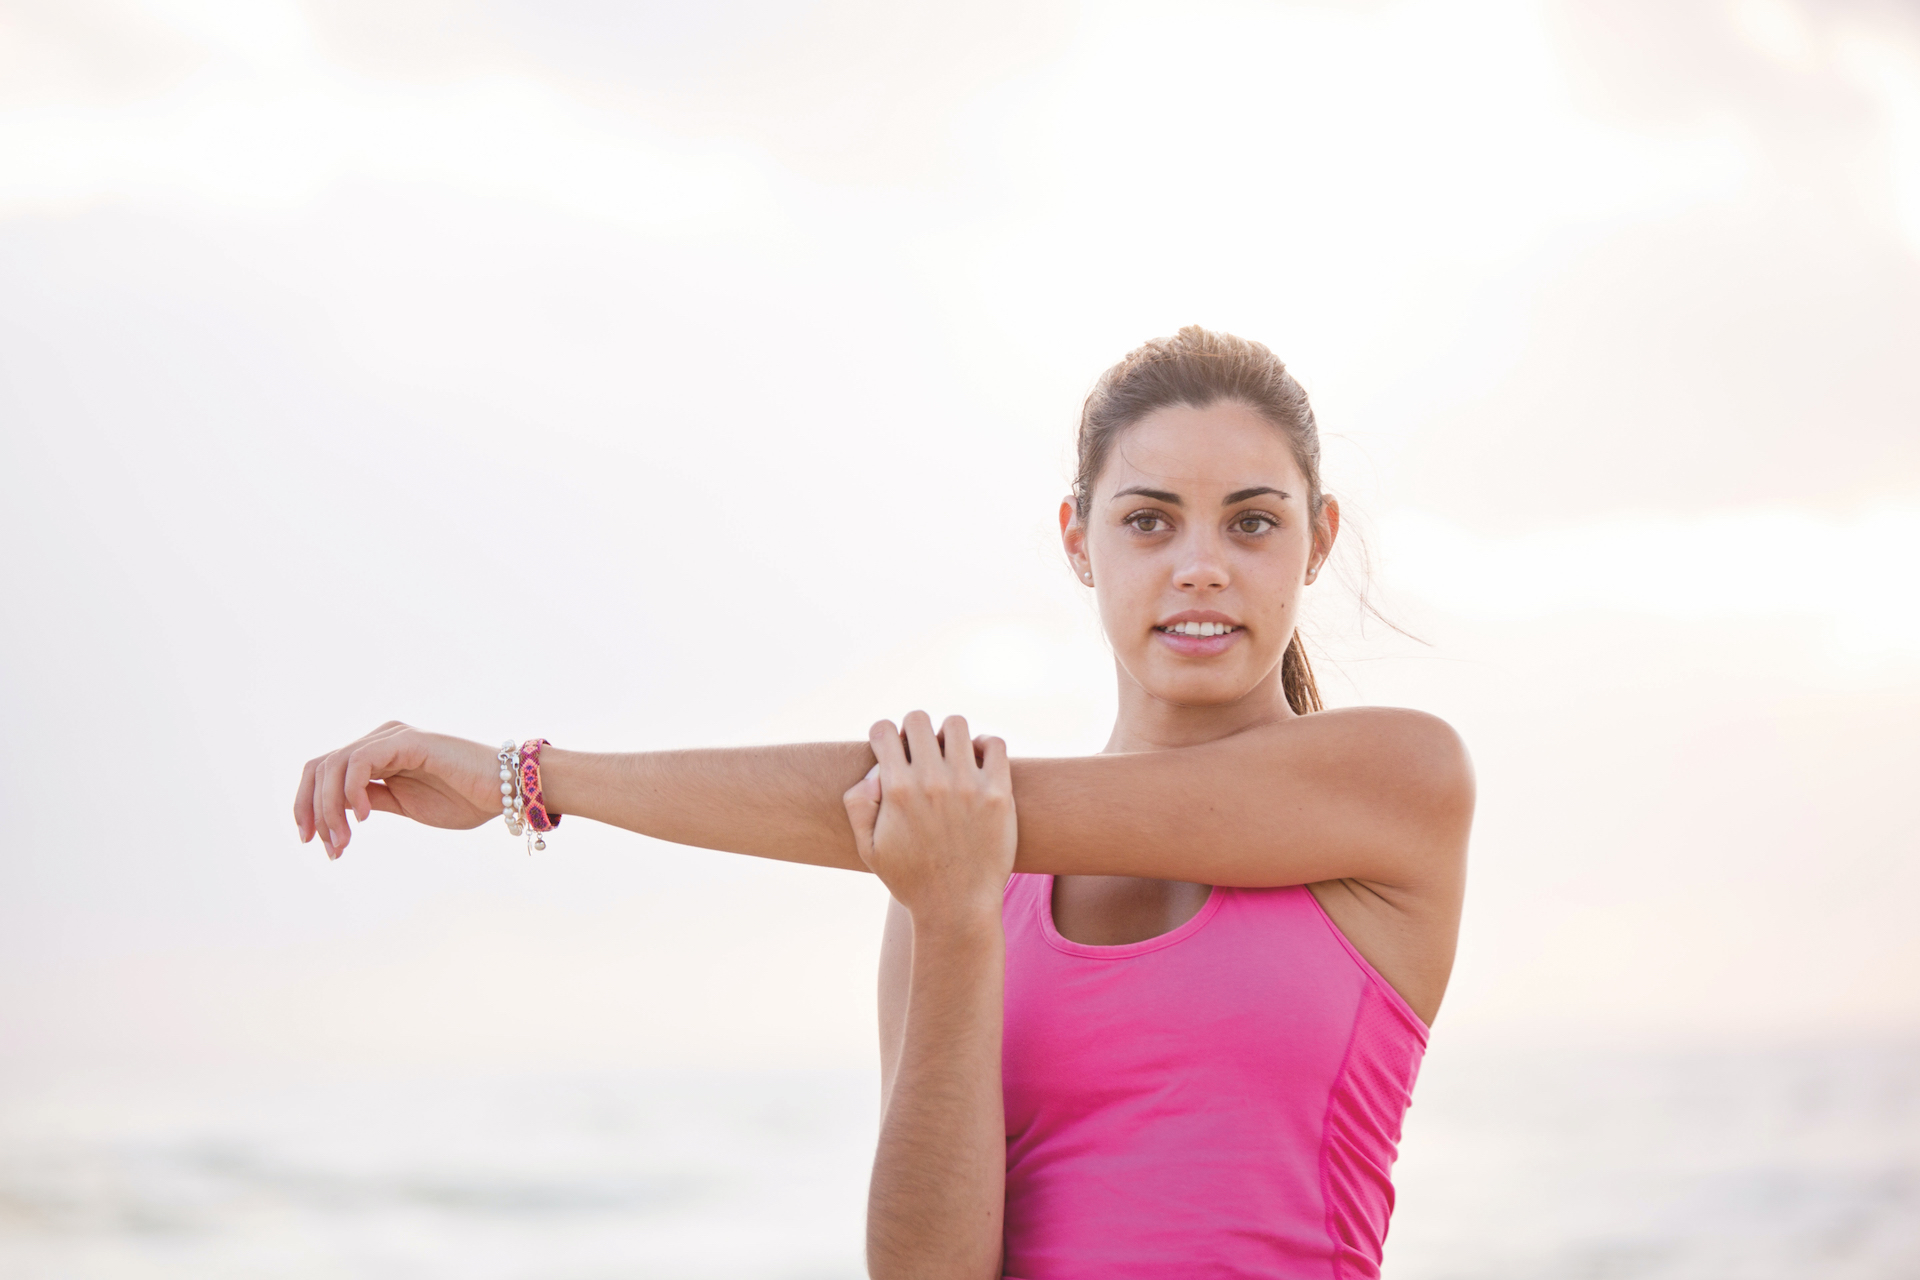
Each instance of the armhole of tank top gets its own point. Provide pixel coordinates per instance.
(1387, 989)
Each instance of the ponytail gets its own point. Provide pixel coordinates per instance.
(1296, 678)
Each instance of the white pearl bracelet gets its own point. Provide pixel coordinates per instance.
(511, 801)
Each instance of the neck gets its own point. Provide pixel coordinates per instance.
(1148, 723)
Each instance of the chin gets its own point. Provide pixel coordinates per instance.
(1199, 688)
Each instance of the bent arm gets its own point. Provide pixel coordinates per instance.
(1373, 793)
(937, 1202)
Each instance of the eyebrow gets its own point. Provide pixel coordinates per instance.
(1173, 499)
(1243, 494)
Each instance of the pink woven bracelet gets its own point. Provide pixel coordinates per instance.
(535, 812)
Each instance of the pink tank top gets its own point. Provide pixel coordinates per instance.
(1222, 1100)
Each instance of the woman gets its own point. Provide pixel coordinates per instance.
(1168, 1022)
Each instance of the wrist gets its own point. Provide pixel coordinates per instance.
(960, 921)
(560, 779)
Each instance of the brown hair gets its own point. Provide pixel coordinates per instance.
(1199, 367)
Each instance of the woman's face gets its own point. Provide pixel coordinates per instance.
(1199, 517)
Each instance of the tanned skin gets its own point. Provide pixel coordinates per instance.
(1208, 778)
(935, 821)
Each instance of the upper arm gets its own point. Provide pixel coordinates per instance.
(1379, 794)
(896, 974)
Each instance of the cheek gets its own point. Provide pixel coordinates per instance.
(1115, 562)
(1283, 567)
(1127, 592)
(1122, 598)
(1283, 571)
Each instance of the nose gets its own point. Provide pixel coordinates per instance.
(1202, 564)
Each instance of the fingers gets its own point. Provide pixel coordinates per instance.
(889, 752)
(303, 803)
(320, 829)
(922, 746)
(330, 800)
(329, 783)
(365, 763)
(957, 742)
(993, 760)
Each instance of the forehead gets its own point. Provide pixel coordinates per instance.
(1225, 446)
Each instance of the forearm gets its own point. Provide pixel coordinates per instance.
(938, 1196)
(770, 802)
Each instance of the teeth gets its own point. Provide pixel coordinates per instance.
(1198, 629)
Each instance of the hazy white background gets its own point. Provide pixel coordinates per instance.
(649, 375)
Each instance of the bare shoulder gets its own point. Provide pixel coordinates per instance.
(1415, 744)
(1405, 775)
(1383, 724)
(1413, 749)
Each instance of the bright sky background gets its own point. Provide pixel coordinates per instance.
(651, 375)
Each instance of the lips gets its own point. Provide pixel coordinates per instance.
(1198, 633)
(1197, 628)
(1198, 622)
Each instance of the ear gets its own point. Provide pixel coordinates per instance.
(1325, 530)
(1073, 537)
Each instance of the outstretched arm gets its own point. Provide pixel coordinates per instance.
(1377, 794)
(771, 802)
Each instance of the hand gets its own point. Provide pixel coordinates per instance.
(429, 777)
(934, 819)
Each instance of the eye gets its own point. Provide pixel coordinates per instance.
(1254, 523)
(1148, 521)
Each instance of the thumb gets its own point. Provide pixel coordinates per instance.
(381, 799)
(863, 811)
